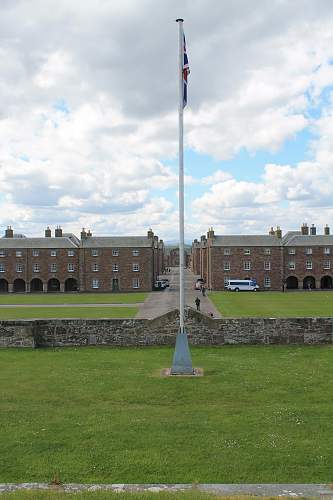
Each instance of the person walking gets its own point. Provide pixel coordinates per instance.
(203, 290)
(197, 303)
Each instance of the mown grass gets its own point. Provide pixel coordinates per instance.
(66, 312)
(273, 304)
(188, 495)
(73, 298)
(259, 415)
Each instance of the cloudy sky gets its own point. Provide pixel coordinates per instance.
(88, 115)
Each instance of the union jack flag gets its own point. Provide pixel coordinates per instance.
(186, 72)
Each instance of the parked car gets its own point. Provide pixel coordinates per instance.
(165, 281)
(159, 285)
(242, 285)
(199, 283)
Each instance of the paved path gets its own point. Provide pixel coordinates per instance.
(161, 302)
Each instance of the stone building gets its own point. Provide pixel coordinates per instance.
(64, 263)
(300, 259)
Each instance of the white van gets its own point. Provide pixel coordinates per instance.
(242, 285)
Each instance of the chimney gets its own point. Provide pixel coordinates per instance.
(210, 233)
(278, 232)
(304, 229)
(313, 230)
(89, 234)
(326, 230)
(83, 234)
(9, 233)
(58, 232)
(271, 232)
(150, 234)
(47, 232)
(203, 238)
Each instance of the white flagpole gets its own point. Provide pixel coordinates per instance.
(181, 177)
(182, 363)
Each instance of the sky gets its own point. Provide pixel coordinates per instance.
(88, 116)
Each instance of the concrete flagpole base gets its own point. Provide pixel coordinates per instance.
(182, 363)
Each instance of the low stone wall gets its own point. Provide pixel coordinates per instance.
(202, 330)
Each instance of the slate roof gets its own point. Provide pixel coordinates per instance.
(59, 242)
(246, 241)
(116, 242)
(310, 240)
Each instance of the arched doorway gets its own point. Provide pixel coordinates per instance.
(53, 285)
(326, 282)
(3, 286)
(292, 283)
(36, 285)
(71, 285)
(309, 283)
(19, 285)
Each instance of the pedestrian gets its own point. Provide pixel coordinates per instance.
(203, 290)
(197, 303)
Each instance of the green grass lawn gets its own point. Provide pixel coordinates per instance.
(102, 495)
(73, 298)
(259, 415)
(66, 312)
(273, 304)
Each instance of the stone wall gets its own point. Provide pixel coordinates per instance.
(201, 330)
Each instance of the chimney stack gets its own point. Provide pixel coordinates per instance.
(304, 229)
(210, 233)
(58, 232)
(326, 230)
(9, 233)
(271, 232)
(47, 232)
(150, 234)
(83, 234)
(89, 234)
(313, 230)
(278, 232)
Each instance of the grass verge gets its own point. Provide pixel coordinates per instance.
(73, 298)
(259, 415)
(273, 304)
(66, 312)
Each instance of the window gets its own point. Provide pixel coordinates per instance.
(36, 268)
(308, 251)
(136, 283)
(19, 268)
(226, 251)
(226, 266)
(135, 267)
(291, 265)
(70, 268)
(309, 264)
(2, 268)
(18, 253)
(35, 253)
(327, 251)
(291, 251)
(136, 252)
(247, 251)
(115, 252)
(267, 251)
(246, 265)
(327, 264)
(53, 268)
(2, 253)
(226, 279)
(94, 252)
(267, 265)
(115, 267)
(95, 284)
(70, 253)
(53, 253)
(95, 267)
(267, 282)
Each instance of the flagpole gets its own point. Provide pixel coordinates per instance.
(181, 177)
(182, 363)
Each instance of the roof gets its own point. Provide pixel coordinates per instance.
(300, 240)
(116, 242)
(59, 242)
(247, 241)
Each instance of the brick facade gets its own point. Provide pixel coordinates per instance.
(65, 263)
(299, 260)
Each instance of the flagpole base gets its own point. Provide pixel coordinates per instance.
(182, 363)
